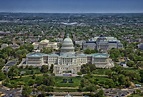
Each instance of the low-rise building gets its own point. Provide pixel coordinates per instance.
(45, 44)
(140, 46)
(102, 43)
(4, 45)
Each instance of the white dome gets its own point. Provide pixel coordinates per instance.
(45, 41)
(67, 46)
(67, 42)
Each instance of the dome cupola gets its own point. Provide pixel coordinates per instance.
(67, 46)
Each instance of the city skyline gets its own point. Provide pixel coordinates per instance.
(72, 6)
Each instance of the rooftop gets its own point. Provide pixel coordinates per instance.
(36, 54)
(100, 55)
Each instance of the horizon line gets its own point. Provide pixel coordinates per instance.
(74, 12)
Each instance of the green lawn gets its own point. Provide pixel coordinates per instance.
(135, 95)
(101, 79)
(58, 82)
(100, 71)
(30, 71)
(132, 69)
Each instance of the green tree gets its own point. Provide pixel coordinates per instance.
(99, 94)
(47, 50)
(140, 64)
(141, 75)
(31, 82)
(26, 91)
(44, 68)
(27, 46)
(13, 71)
(85, 69)
(122, 79)
(52, 68)
(2, 63)
(2, 76)
(92, 67)
(88, 51)
(49, 81)
(21, 53)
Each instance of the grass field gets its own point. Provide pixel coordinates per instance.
(30, 71)
(100, 71)
(58, 82)
(131, 69)
(135, 95)
(100, 78)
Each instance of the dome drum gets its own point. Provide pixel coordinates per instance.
(67, 46)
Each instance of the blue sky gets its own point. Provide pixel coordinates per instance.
(72, 6)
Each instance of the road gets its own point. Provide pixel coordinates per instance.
(118, 92)
(108, 92)
(10, 92)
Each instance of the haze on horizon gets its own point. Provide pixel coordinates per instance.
(72, 6)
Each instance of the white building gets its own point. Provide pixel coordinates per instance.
(68, 61)
(102, 43)
(45, 44)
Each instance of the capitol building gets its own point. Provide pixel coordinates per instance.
(67, 61)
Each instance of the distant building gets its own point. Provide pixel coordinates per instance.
(67, 61)
(14, 46)
(102, 43)
(79, 43)
(123, 64)
(4, 46)
(2, 33)
(140, 46)
(45, 44)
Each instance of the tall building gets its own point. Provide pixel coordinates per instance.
(102, 43)
(68, 61)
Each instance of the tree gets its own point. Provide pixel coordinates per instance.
(99, 94)
(91, 88)
(114, 53)
(44, 68)
(130, 63)
(122, 79)
(52, 68)
(79, 73)
(8, 50)
(2, 76)
(110, 83)
(21, 53)
(26, 91)
(141, 75)
(13, 71)
(85, 69)
(88, 51)
(47, 50)
(44, 88)
(109, 73)
(31, 82)
(2, 62)
(28, 47)
(92, 67)
(140, 64)
(49, 81)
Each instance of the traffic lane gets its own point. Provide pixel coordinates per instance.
(9, 92)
